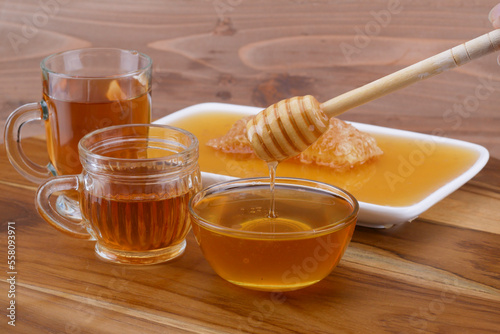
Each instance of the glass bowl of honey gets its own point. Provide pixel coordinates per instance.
(277, 238)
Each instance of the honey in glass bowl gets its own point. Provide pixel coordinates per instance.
(298, 248)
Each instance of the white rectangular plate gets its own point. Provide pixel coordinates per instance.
(370, 215)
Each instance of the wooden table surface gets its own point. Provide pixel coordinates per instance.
(438, 274)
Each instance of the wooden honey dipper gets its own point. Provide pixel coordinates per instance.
(288, 127)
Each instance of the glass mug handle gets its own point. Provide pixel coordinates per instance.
(19, 117)
(42, 201)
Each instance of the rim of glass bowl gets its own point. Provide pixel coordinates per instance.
(259, 181)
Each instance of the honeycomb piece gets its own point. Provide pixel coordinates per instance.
(342, 146)
(235, 140)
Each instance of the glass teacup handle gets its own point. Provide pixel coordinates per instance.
(19, 117)
(70, 227)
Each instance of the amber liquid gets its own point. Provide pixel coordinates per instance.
(139, 213)
(69, 121)
(408, 171)
(282, 262)
(137, 223)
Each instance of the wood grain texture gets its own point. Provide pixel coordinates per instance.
(259, 52)
(438, 274)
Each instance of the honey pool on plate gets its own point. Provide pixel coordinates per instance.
(408, 171)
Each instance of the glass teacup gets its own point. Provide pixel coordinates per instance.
(83, 90)
(133, 192)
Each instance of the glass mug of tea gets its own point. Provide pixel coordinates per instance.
(83, 90)
(133, 192)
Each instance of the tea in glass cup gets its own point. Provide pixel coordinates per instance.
(83, 90)
(134, 191)
(298, 247)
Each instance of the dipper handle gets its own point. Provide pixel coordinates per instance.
(288, 127)
(424, 69)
